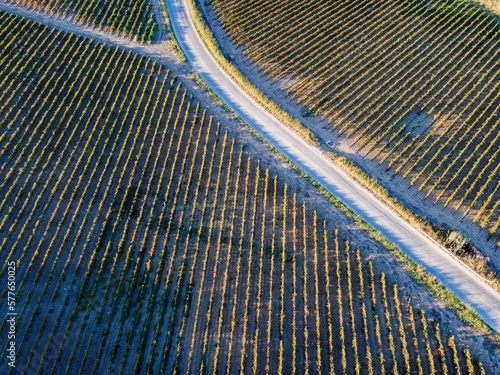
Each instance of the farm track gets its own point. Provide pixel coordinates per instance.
(466, 284)
(134, 19)
(157, 51)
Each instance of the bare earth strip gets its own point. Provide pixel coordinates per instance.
(158, 51)
(161, 33)
(466, 284)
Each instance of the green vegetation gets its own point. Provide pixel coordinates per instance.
(410, 84)
(212, 46)
(148, 239)
(129, 18)
(472, 257)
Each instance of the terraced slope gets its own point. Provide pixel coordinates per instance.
(130, 18)
(147, 239)
(411, 84)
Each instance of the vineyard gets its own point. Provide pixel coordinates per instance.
(130, 18)
(411, 85)
(148, 239)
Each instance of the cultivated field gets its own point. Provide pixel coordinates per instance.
(148, 239)
(130, 18)
(412, 85)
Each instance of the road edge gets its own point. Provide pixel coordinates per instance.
(477, 266)
(417, 272)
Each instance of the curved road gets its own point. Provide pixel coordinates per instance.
(467, 285)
